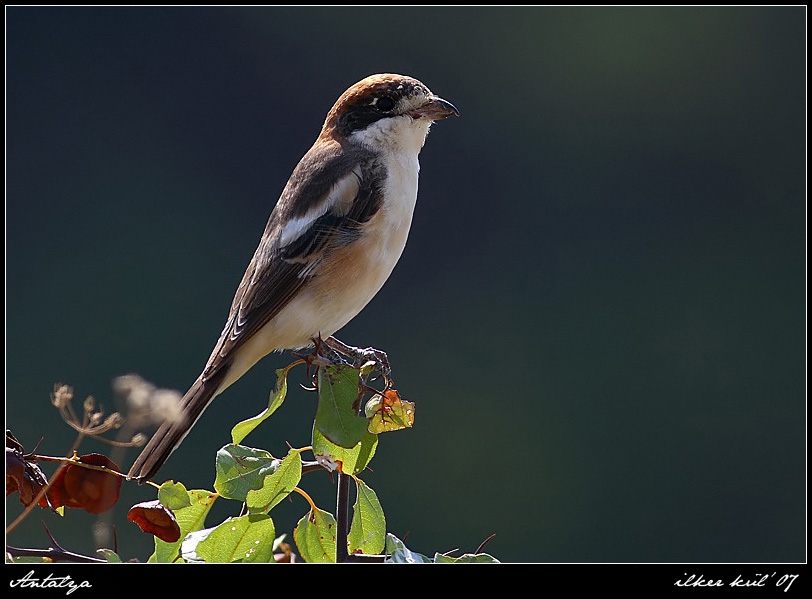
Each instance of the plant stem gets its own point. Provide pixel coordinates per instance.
(342, 517)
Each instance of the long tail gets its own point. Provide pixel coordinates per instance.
(170, 434)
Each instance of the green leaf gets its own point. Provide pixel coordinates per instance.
(241, 469)
(315, 536)
(368, 528)
(278, 485)
(242, 429)
(110, 555)
(351, 461)
(188, 548)
(388, 412)
(247, 539)
(467, 558)
(189, 519)
(173, 495)
(400, 554)
(336, 418)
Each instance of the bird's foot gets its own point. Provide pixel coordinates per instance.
(336, 351)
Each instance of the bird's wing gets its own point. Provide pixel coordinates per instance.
(328, 197)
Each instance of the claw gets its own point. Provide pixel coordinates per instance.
(359, 357)
(318, 358)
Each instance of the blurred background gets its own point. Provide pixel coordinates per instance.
(600, 313)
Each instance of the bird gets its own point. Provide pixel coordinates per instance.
(331, 241)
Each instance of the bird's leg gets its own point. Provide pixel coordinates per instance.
(359, 357)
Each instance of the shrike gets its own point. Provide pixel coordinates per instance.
(331, 242)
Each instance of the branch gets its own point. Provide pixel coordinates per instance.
(53, 554)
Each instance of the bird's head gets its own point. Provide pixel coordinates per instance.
(386, 108)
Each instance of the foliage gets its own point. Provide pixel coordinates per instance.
(344, 439)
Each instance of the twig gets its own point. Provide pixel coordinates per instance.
(342, 518)
(485, 542)
(53, 554)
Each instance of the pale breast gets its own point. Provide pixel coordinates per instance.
(341, 286)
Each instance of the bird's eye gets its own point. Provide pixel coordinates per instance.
(385, 104)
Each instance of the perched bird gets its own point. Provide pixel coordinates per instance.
(331, 241)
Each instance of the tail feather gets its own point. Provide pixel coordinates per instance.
(170, 434)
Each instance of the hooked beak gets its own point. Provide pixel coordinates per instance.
(435, 109)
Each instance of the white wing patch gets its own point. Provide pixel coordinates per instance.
(338, 200)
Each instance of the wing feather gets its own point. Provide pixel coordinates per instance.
(328, 198)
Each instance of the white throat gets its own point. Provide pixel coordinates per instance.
(397, 135)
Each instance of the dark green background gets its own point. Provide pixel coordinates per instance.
(600, 312)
